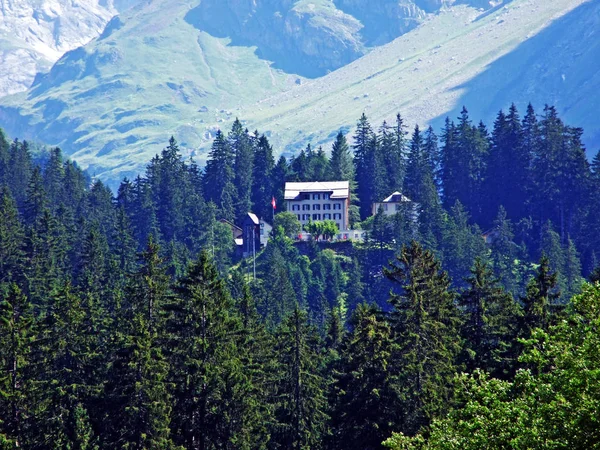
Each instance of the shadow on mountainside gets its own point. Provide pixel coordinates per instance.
(558, 66)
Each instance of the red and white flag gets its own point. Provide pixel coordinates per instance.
(273, 203)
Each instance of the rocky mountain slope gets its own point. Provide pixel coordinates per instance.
(34, 34)
(188, 68)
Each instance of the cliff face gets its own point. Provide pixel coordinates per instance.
(313, 37)
(299, 36)
(34, 34)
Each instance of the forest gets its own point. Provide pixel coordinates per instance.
(129, 321)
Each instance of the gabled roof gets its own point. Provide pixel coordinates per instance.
(396, 197)
(338, 189)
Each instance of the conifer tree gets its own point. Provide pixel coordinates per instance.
(138, 390)
(300, 408)
(18, 173)
(365, 164)
(340, 162)
(17, 331)
(218, 174)
(425, 322)
(504, 252)
(65, 352)
(490, 322)
(205, 361)
(11, 238)
(53, 175)
(390, 161)
(36, 199)
(366, 404)
(262, 188)
(241, 145)
(541, 300)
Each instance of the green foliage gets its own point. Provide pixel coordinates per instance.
(554, 408)
(289, 222)
(326, 229)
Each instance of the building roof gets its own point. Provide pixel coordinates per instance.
(396, 197)
(338, 189)
(253, 217)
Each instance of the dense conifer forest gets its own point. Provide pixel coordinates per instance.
(129, 321)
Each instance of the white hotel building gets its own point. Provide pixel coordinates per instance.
(318, 201)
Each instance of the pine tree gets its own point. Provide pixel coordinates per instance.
(366, 405)
(53, 175)
(425, 322)
(391, 161)
(18, 173)
(319, 166)
(300, 408)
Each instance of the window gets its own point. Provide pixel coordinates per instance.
(326, 216)
(327, 206)
(316, 196)
(337, 216)
(385, 206)
(298, 216)
(306, 196)
(337, 206)
(316, 207)
(295, 207)
(305, 216)
(316, 216)
(305, 207)
(326, 196)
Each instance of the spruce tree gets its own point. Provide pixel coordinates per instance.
(301, 404)
(540, 303)
(206, 370)
(366, 405)
(11, 238)
(241, 145)
(219, 175)
(262, 187)
(425, 322)
(138, 389)
(17, 332)
(490, 322)
(365, 164)
(341, 166)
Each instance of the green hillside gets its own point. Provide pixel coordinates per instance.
(114, 103)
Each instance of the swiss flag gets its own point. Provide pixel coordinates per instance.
(273, 203)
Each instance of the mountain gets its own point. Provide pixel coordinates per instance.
(35, 34)
(300, 70)
(525, 51)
